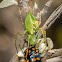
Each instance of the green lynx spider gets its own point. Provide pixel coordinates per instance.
(47, 24)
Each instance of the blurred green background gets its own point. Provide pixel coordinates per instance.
(10, 24)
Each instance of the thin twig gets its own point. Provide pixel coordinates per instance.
(53, 17)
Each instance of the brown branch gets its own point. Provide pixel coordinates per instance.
(54, 55)
(55, 59)
(53, 17)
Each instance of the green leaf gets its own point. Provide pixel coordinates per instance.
(6, 3)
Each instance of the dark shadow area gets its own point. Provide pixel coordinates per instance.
(1, 0)
(55, 33)
(2, 28)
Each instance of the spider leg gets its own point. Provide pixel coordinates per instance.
(28, 45)
(21, 16)
(16, 43)
(16, 40)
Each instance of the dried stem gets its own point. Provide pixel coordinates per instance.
(53, 17)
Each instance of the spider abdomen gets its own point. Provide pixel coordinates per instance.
(33, 54)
